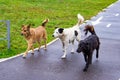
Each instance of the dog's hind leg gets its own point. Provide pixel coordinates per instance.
(45, 48)
(32, 50)
(90, 58)
(63, 46)
(97, 49)
(72, 51)
(39, 42)
(78, 38)
(97, 52)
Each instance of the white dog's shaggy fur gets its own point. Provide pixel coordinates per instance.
(68, 35)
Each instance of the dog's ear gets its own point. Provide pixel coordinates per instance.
(28, 26)
(60, 30)
(56, 27)
(22, 26)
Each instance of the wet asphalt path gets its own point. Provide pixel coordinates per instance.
(48, 65)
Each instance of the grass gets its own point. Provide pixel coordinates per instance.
(61, 13)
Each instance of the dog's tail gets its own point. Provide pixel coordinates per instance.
(44, 22)
(89, 28)
(80, 19)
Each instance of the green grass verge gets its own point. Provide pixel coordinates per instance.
(61, 13)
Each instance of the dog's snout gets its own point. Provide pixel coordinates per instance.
(78, 51)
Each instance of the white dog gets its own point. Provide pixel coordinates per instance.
(68, 35)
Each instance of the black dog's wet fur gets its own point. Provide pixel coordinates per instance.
(88, 45)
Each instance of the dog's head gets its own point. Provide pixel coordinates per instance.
(25, 30)
(82, 46)
(58, 32)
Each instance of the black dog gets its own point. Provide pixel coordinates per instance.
(88, 45)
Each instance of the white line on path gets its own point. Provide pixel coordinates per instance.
(117, 14)
(97, 21)
(108, 25)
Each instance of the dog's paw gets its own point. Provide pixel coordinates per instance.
(72, 52)
(45, 49)
(84, 70)
(24, 57)
(32, 53)
(63, 57)
(38, 50)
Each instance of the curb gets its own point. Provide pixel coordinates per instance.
(5, 59)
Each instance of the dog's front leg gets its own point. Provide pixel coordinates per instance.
(26, 52)
(64, 50)
(88, 62)
(85, 57)
(63, 46)
(86, 67)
